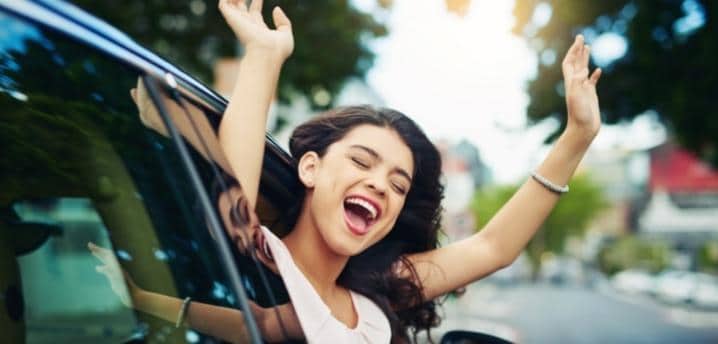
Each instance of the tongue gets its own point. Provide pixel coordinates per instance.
(357, 222)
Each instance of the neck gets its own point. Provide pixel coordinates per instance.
(307, 247)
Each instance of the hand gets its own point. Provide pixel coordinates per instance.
(120, 282)
(147, 111)
(250, 29)
(581, 99)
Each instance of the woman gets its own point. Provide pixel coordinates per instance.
(370, 212)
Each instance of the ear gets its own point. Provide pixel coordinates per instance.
(307, 168)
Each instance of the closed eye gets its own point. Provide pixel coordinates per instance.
(360, 163)
(400, 189)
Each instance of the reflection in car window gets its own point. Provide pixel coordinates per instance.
(59, 258)
(80, 165)
(198, 126)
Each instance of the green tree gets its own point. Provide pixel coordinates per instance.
(708, 257)
(669, 66)
(570, 218)
(631, 252)
(329, 37)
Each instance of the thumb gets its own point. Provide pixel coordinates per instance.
(281, 21)
(595, 76)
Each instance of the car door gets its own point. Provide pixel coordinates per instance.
(83, 162)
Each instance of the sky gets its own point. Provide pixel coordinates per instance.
(460, 77)
(466, 77)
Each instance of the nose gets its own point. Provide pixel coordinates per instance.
(377, 186)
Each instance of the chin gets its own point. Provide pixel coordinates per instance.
(345, 245)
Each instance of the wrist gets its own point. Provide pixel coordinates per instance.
(137, 297)
(578, 138)
(266, 56)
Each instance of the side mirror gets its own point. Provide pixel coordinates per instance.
(29, 236)
(25, 236)
(469, 337)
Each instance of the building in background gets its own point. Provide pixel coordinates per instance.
(463, 172)
(623, 175)
(682, 199)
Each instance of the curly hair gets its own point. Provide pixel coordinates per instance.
(374, 272)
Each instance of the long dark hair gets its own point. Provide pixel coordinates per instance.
(374, 273)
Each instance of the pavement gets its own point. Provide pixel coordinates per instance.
(573, 313)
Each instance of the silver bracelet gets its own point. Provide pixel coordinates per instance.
(548, 184)
(183, 311)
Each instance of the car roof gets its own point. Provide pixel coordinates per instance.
(278, 182)
(81, 26)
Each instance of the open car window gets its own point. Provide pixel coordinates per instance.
(80, 163)
(198, 126)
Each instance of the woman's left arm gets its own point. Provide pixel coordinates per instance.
(503, 238)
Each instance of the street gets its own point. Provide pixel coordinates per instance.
(545, 313)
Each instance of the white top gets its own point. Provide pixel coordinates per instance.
(315, 317)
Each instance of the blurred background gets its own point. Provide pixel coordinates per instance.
(631, 253)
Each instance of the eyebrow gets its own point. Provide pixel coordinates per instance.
(376, 155)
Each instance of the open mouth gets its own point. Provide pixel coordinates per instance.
(360, 214)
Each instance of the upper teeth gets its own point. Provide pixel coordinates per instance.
(366, 205)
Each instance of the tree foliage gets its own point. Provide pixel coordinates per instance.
(630, 252)
(708, 257)
(329, 38)
(669, 65)
(570, 218)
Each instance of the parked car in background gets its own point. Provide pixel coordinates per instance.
(634, 281)
(676, 286)
(705, 293)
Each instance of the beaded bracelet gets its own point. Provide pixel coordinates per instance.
(548, 184)
(183, 311)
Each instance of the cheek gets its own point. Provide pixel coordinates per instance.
(393, 214)
(396, 207)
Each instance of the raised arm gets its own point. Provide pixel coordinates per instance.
(242, 131)
(503, 238)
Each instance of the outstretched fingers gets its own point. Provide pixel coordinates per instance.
(595, 76)
(227, 4)
(256, 6)
(574, 51)
(281, 21)
(104, 255)
(585, 54)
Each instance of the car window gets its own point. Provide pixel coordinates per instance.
(80, 164)
(198, 125)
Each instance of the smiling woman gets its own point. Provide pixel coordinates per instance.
(356, 161)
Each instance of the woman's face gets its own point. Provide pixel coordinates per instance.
(359, 188)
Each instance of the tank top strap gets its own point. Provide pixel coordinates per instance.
(315, 317)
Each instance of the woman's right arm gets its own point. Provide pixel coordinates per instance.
(221, 322)
(242, 131)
